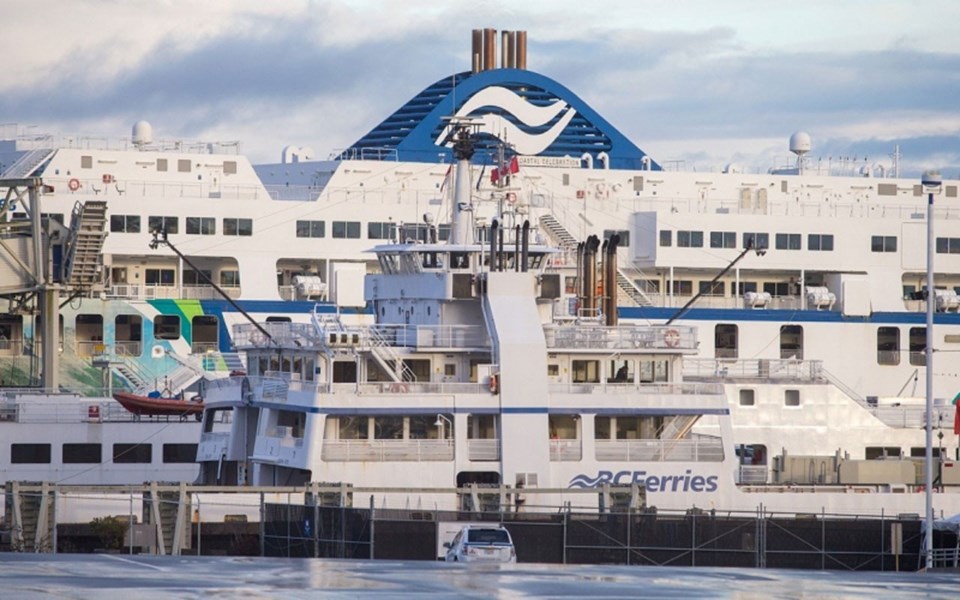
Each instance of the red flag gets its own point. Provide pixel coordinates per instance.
(494, 175)
(446, 178)
(509, 169)
(514, 165)
(956, 419)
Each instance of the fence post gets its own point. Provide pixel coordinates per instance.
(56, 498)
(823, 538)
(693, 537)
(263, 527)
(373, 522)
(566, 518)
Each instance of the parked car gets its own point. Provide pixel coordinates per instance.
(481, 543)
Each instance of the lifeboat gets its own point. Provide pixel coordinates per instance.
(150, 406)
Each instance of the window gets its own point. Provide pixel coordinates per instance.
(777, 288)
(168, 224)
(159, 277)
(161, 164)
(756, 241)
(311, 229)
(725, 341)
(875, 452)
(820, 241)
(183, 165)
(230, 278)
(346, 229)
(948, 245)
(718, 288)
(191, 277)
(690, 239)
(748, 398)
(124, 224)
(238, 227)
(166, 327)
(388, 428)
(682, 288)
(201, 226)
(883, 243)
(888, 346)
(746, 286)
(132, 453)
(648, 286)
(586, 371)
(623, 233)
(82, 454)
(723, 239)
(229, 167)
(30, 454)
(179, 453)
(791, 397)
(918, 346)
(381, 230)
(788, 241)
(353, 428)
(791, 342)
(666, 238)
(86, 161)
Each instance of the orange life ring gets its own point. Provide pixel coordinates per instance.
(511, 197)
(74, 184)
(671, 338)
(493, 384)
(398, 388)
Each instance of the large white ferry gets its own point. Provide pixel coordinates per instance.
(818, 336)
(473, 374)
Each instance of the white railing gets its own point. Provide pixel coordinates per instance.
(488, 449)
(766, 369)
(69, 413)
(132, 291)
(686, 388)
(435, 336)
(696, 449)
(388, 450)
(752, 475)
(564, 450)
(621, 337)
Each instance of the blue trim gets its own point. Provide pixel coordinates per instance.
(782, 316)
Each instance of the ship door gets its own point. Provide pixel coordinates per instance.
(214, 182)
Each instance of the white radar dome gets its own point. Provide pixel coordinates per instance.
(800, 143)
(142, 133)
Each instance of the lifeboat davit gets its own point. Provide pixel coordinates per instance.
(146, 405)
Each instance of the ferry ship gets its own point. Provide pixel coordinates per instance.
(473, 375)
(800, 288)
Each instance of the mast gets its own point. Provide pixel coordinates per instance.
(463, 150)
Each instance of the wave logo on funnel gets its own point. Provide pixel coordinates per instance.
(528, 114)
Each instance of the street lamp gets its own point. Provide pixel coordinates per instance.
(931, 182)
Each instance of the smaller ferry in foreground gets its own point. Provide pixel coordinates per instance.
(471, 377)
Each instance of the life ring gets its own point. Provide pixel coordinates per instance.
(512, 197)
(493, 384)
(602, 191)
(74, 184)
(398, 388)
(671, 338)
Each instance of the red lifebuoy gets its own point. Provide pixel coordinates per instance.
(671, 338)
(511, 197)
(74, 184)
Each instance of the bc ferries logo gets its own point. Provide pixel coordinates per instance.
(528, 114)
(682, 482)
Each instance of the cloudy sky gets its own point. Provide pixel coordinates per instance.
(706, 82)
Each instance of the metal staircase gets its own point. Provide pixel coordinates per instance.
(629, 288)
(83, 267)
(27, 164)
(558, 232)
(388, 358)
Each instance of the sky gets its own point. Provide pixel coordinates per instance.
(704, 83)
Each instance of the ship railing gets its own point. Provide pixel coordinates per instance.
(913, 416)
(695, 449)
(483, 449)
(11, 347)
(752, 474)
(434, 336)
(261, 387)
(389, 388)
(388, 450)
(597, 337)
(133, 291)
(300, 335)
(73, 411)
(127, 348)
(763, 369)
(686, 388)
(565, 450)
(286, 435)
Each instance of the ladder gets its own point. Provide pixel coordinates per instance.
(83, 267)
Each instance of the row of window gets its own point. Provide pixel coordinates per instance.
(167, 277)
(92, 454)
(685, 287)
(194, 225)
(184, 165)
(728, 239)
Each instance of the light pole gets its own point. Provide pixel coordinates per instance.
(440, 422)
(931, 182)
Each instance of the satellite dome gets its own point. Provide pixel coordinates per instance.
(142, 134)
(800, 143)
